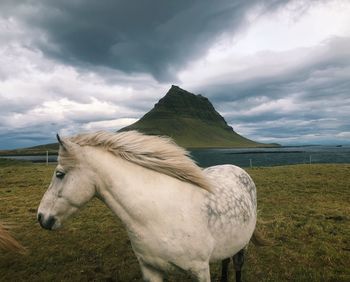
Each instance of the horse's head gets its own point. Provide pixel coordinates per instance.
(73, 184)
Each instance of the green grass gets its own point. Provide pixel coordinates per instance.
(304, 209)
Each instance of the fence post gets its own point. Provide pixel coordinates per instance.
(310, 159)
(47, 157)
(251, 163)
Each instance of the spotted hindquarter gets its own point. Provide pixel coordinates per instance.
(230, 209)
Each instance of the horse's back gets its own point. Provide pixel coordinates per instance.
(231, 209)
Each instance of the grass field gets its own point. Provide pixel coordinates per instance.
(304, 209)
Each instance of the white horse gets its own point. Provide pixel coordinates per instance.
(177, 216)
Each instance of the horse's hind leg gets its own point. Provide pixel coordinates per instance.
(238, 260)
(224, 270)
(150, 274)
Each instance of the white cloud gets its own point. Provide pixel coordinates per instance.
(39, 93)
(111, 125)
(39, 97)
(344, 135)
(293, 26)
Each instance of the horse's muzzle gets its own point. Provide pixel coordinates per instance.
(46, 223)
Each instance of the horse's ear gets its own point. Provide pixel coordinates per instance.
(63, 143)
(66, 144)
(59, 140)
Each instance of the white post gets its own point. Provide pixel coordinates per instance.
(251, 163)
(310, 159)
(47, 157)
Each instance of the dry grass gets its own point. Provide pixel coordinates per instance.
(304, 209)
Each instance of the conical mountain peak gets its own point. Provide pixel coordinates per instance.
(182, 103)
(191, 120)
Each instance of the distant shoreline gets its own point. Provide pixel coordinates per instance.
(42, 152)
(240, 156)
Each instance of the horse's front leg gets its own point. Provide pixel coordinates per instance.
(151, 274)
(203, 274)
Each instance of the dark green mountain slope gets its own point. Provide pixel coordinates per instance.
(191, 121)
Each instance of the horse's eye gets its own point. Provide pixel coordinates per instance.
(60, 174)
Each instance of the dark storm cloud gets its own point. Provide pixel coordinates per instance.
(156, 37)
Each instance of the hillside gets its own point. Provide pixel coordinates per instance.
(192, 121)
(32, 151)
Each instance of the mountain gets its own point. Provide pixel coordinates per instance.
(192, 121)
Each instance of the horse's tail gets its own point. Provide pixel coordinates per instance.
(8, 243)
(259, 240)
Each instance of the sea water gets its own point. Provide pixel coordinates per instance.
(252, 156)
(272, 156)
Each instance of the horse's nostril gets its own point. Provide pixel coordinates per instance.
(48, 223)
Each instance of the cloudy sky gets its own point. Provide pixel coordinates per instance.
(278, 71)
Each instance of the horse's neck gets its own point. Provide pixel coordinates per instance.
(135, 193)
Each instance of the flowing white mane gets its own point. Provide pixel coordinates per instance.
(160, 154)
